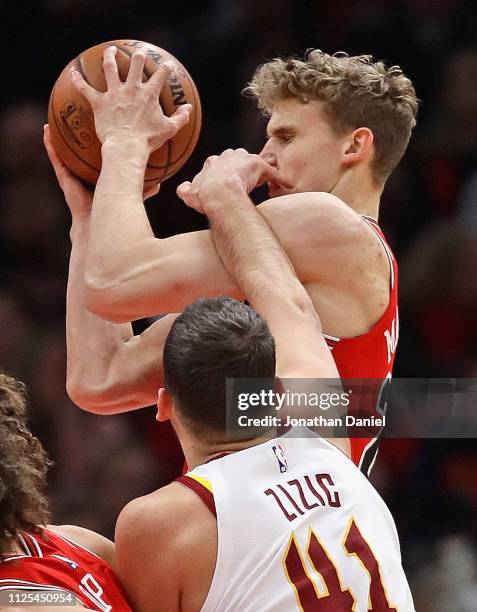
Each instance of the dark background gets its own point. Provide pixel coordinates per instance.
(428, 212)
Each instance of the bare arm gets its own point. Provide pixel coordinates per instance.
(108, 368)
(147, 576)
(325, 240)
(130, 274)
(161, 557)
(254, 257)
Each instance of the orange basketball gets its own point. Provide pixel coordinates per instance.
(71, 117)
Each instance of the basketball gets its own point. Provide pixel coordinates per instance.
(71, 117)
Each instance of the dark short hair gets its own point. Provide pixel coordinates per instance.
(212, 340)
(23, 467)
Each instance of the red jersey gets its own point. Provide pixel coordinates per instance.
(371, 355)
(53, 563)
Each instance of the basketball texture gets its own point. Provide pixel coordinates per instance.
(71, 118)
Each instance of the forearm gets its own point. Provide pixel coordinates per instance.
(252, 254)
(92, 343)
(119, 221)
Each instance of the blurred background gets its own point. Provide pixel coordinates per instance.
(428, 212)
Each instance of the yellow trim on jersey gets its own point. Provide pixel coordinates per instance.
(203, 481)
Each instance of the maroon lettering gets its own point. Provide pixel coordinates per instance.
(294, 492)
(295, 505)
(314, 491)
(290, 517)
(301, 493)
(299, 578)
(332, 501)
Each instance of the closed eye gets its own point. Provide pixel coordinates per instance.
(283, 134)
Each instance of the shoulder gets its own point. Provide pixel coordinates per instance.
(171, 527)
(319, 220)
(92, 541)
(152, 511)
(308, 223)
(313, 205)
(162, 519)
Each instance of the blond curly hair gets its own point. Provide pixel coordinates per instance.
(357, 91)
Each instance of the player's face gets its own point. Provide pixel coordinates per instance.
(303, 146)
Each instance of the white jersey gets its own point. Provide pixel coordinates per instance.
(300, 528)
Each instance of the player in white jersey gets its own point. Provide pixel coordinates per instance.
(300, 528)
(289, 523)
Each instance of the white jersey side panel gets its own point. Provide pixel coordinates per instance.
(301, 528)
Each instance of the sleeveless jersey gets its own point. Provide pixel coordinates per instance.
(370, 355)
(299, 528)
(53, 563)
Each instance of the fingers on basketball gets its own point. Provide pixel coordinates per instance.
(181, 117)
(110, 66)
(136, 68)
(83, 88)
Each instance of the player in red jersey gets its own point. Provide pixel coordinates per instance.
(63, 566)
(338, 127)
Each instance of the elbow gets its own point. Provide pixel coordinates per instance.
(81, 398)
(89, 399)
(107, 395)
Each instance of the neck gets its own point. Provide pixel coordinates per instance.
(359, 193)
(196, 452)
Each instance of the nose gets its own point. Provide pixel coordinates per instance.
(267, 155)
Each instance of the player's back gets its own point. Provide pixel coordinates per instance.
(59, 571)
(300, 528)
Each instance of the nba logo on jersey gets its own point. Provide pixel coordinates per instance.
(280, 455)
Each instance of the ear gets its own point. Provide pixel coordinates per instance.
(278, 386)
(359, 146)
(164, 405)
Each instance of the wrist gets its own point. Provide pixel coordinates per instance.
(123, 146)
(215, 194)
(123, 166)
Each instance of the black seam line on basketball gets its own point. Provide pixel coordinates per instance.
(64, 139)
(126, 52)
(195, 133)
(195, 95)
(129, 53)
(80, 69)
